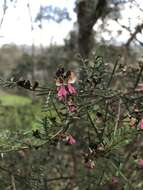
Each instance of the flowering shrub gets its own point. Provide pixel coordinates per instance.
(102, 122)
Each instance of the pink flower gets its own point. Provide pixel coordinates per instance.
(71, 105)
(71, 140)
(71, 89)
(139, 87)
(141, 124)
(114, 179)
(90, 164)
(140, 163)
(72, 108)
(62, 92)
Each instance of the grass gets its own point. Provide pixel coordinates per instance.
(14, 100)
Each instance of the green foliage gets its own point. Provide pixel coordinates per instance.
(17, 118)
(14, 100)
(86, 146)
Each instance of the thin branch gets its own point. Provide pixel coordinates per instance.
(133, 36)
(4, 12)
(55, 108)
(118, 117)
(92, 123)
(13, 182)
(113, 72)
(138, 77)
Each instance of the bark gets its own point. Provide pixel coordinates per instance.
(88, 13)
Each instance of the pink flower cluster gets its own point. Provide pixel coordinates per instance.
(88, 160)
(140, 163)
(68, 138)
(72, 108)
(141, 124)
(71, 140)
(114, 179)
(64, 90)
(90, 164)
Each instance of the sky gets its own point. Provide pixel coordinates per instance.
(16, 27)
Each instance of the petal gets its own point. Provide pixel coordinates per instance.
(141, 124)
(62, 91)
(71, 89)
(72, 108)
(71, 140)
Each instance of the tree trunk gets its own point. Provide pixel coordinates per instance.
(88, 12)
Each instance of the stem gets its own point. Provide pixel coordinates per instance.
(13, 182)
(120, 173)
(90, 119)
(57, 111)
(112, 74)
(138, 77)
(118, 117)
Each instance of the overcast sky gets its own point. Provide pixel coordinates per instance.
(16, 27)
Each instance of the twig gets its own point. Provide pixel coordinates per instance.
(138, 77)
(113, 72)
(133, 36)
(90, 119)
(118, 117)
(57, 111)
(13, 182)
(4, 12)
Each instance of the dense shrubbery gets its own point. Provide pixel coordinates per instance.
(88, 134)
